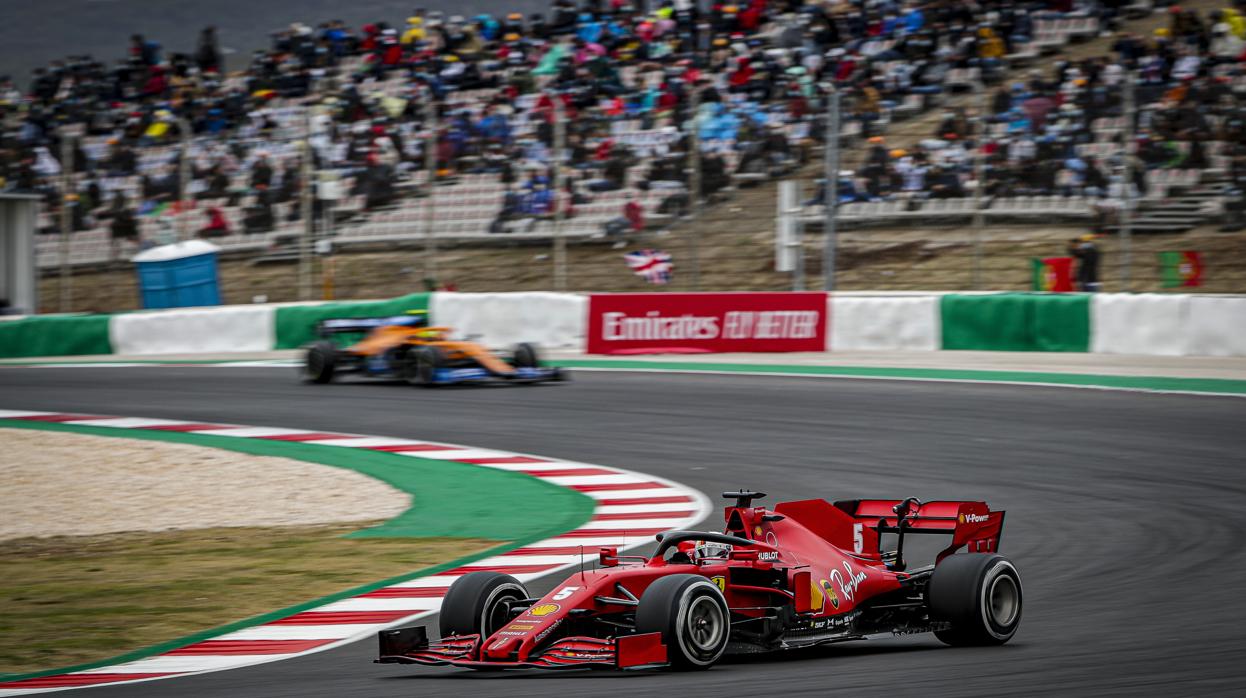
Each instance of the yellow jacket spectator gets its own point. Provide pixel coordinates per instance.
(415, 30)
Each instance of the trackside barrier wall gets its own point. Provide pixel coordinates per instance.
(885, 323)
(296, 324)
(501, 320)
(224, 329)
(1147, 324)
(1016, 322)
(1217, 326)
(55, 335)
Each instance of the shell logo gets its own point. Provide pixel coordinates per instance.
(543, 610)
(830, 594)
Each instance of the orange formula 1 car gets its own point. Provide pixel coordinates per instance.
(407, 348)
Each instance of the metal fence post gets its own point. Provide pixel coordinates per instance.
(305, 209)
(831, 204)
(183, 178)
(694, 181)
(67, 220)
(979, 174)
(1127, 202)
(430, 205)
(560, 242)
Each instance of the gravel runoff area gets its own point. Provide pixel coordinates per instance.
(59, 484)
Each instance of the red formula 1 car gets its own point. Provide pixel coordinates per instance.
(807, 573)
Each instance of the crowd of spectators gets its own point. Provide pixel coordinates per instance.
(1063, 132)
(748, 80)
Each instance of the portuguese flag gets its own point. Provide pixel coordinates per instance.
(1054, 274)
(1180, 269)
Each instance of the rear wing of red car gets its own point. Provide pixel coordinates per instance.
(972, 525)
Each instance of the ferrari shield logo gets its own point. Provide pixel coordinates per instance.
(720, 582)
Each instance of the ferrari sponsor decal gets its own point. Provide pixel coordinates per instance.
(840, 622)
(768, 557)
(830, 594)
(541, 635)
(757, 530)
(848, 582)
(720, 582)
(544, 609)
(521, 626)
(973, 518)
(511, 633)
(565, 593)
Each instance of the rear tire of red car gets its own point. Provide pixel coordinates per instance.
(320, 362)
(980, 595)
(692, 616)
(477, 603)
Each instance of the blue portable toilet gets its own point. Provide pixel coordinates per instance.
(179, 275)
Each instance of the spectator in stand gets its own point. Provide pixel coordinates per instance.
(123, 225)
(208, 53)
(217, 226)
(259, 216)
(261, 171)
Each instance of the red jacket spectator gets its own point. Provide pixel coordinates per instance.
(217, 225)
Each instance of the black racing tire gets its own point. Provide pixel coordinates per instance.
(526, 356)
(692, 616)
(980, 595)
(420, 364)
(476, 604)
(320, 362)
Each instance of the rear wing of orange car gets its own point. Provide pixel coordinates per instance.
(972, 525)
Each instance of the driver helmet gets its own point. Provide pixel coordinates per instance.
(706, 550)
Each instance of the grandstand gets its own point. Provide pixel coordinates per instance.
(347, 124)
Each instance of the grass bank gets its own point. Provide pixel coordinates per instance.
(77, 599)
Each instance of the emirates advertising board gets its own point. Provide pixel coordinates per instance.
(654, 323)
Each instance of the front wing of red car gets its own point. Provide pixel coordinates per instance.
(412, 646)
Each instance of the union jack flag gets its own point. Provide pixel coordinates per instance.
(654, 265)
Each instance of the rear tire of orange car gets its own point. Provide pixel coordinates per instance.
(320, 362)
(476, 604)
(692, 616)
(526, 356)
(979, 594)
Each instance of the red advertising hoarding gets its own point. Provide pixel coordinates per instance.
(651, 323)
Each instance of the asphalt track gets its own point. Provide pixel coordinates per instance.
(1126, 512)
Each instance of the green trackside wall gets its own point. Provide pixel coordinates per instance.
(1016, 322)
(55, 335)
(296, 325)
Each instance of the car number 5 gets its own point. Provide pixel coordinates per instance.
(565, 593)
(858, 538)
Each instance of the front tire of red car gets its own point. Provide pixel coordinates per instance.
(478, 603)
(692, 616)
(979, 594)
